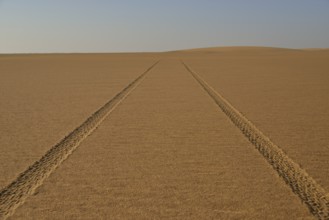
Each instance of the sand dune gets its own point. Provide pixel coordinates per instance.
(239, 49)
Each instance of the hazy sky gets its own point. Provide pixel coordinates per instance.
(159, 25)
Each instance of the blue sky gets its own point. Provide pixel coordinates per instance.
(159, 25)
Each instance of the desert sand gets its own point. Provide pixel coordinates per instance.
(213, 133)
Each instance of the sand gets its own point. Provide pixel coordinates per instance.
(44, 97)
(166, 150)
(284, 95)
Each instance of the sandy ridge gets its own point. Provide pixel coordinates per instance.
(309, 191)
(27, 182)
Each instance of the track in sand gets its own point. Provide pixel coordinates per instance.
(310, 192)
(26, 183)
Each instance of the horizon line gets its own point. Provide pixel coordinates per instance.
(168, 51)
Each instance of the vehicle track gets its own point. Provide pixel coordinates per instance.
(27, 182)
(302, 184)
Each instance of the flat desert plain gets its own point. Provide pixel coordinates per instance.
(214, 133)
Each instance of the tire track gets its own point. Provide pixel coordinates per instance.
(27, 182)
(301, 183)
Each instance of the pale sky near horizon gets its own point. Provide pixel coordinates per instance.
(38, 26)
